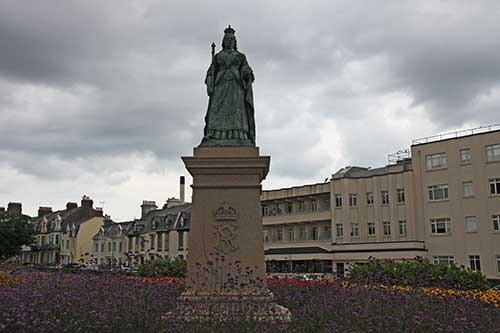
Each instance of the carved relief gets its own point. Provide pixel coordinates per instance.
(225, 228)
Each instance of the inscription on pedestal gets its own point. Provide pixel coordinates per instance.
(225, 229)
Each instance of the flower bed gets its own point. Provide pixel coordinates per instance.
(54, 301)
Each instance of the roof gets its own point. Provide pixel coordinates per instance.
(296, 250)
(157, 220)
(67, 217)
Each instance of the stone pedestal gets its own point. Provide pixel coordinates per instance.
(226, 276)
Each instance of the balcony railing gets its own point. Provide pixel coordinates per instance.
(457, 134)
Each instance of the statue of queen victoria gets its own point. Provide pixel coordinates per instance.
(230, 115)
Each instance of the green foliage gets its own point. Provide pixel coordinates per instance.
(175, 267)
(417, 273)
(15, 231)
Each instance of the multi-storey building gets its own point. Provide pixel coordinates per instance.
(159, 233)
(442, 203)
(63, 236)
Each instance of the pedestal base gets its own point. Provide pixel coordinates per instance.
(226, 273)
(227, 308)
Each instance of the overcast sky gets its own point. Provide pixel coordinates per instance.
(103, 97)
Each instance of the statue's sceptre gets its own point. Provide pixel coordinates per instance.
(213, 67)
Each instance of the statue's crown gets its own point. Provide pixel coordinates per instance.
(229, 30)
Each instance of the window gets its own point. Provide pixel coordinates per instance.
(114, 246)
(96, 247)
(496, 222)
(443, 260)
(493, 152)
(67, 244)
(402, 229)
(160, 242)
(264, 211)
(385, 197)
(314, 205)
(438, 192)
(279, 235)
(436, 161)
(465, 155)
(354, 230)
(314, 233)
(340, 231)
(57, 239)
(152, 239)
(387, 229)
(142, 242)
(369, 198)
(338, 200)
(289, 208)
(181, 240)
(468, 191)
(302, 233)
(327, 232)
(301, 206)
(266, 236)
(498, 264)
(291, 235)
(102, 246)
(130, 244)
(475, 263)
(471, 223)
(353, 199)
(495, 186)
(109, 246)
(440, 226)
(401, 195)
(371, 229)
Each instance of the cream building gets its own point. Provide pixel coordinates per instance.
(442, 203)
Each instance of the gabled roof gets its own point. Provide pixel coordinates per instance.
(69, 217)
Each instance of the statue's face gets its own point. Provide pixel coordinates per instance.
(230, 41)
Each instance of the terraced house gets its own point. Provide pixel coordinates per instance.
(440, 199)
(64, 236)
(159, 233)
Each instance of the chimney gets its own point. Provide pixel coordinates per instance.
(14, 208)
(182, 190)
(107, 220)
(42, 211)
(2, 210)
(147, 206)
(99, 211)
(71, 205)
(87, 202)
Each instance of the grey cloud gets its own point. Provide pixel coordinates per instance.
(128, 77)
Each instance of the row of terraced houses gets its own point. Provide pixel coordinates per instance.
(439, 200)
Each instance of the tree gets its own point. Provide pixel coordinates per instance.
(15, 231)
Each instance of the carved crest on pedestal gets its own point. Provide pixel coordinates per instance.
(226, 218)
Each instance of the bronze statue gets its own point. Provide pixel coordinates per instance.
(230, 115)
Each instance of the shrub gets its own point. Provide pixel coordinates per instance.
(417, 273)
(175, 267)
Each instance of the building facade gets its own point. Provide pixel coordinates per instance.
(159, 233)
(442, 203)
(63, 236)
